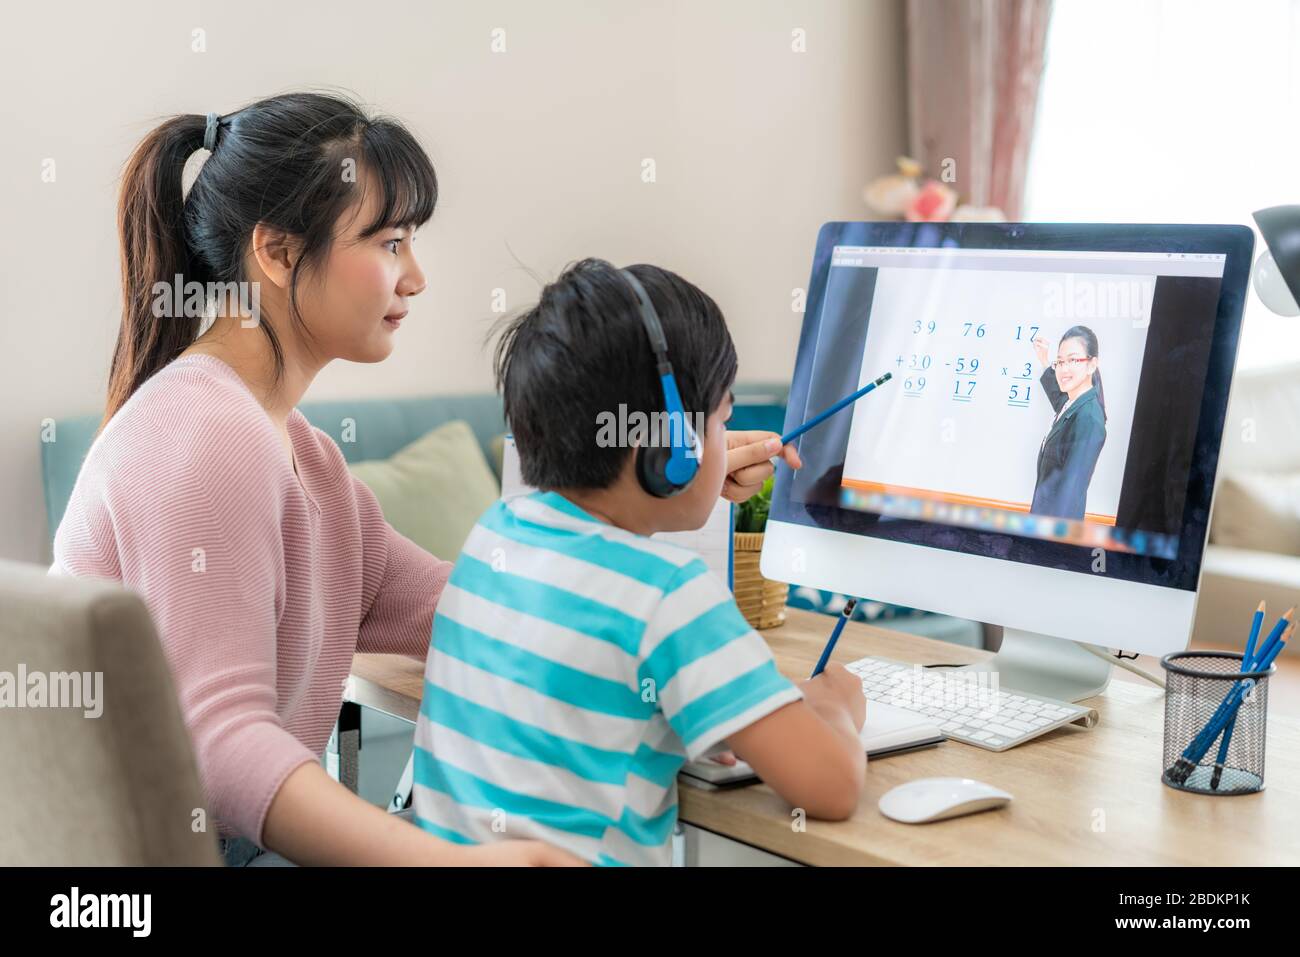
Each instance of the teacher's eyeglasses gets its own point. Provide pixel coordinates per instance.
(1075, 362)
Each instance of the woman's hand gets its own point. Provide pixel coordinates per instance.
(314, 820)
(1040, 349)
(749, 456)
(518, 854)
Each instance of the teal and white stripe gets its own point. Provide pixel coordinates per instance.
(574, 668)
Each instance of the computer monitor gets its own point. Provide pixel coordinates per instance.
(1059, 488)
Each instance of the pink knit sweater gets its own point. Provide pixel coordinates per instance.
(262, 583)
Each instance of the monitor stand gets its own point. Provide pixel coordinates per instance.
(1042, 665)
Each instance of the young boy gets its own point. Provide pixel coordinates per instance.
(576, 663)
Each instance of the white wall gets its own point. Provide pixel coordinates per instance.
(538, 151)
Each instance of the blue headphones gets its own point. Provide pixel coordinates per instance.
(664, 469)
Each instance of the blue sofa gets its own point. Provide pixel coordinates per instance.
(383, 426)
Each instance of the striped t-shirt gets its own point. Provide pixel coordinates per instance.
(575, 667)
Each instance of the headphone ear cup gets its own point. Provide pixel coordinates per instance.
(651, 466)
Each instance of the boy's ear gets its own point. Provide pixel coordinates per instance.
(629, 475)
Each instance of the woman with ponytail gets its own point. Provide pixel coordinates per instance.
(1069, 451)
(265, 565)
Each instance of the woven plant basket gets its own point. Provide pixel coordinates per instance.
(762, 602)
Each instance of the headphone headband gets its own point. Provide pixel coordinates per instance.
(650, 319)
(665, 470)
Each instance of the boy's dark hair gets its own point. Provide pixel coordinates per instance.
(583, 350)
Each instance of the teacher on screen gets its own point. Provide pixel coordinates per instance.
(1068, 454)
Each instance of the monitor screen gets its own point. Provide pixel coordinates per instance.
(1058, 392)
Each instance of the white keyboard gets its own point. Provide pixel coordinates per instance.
(968, 706)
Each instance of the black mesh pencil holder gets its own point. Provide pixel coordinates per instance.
(1207, 696)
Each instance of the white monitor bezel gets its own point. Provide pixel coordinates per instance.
(1115, 612)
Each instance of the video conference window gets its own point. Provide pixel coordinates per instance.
(1046, 394)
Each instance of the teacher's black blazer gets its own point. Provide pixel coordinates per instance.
(1068, 455)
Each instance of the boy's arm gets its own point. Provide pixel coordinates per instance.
(714, 679)
(809, 751)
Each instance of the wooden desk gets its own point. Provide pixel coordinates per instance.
(1081, 797)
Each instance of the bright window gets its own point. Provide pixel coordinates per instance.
(1173, 111)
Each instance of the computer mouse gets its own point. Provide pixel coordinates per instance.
(935, 799)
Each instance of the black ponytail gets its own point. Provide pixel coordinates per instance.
(150, 223)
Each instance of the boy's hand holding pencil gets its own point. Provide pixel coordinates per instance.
(749, 462)
(835, 691)
(749, 453)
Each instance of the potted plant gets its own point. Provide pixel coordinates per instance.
(762, 602)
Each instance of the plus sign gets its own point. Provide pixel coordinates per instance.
(899, 360)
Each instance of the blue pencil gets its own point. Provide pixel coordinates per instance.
(1274, 637)
(1205, 738)
(1227, 712)
(845, 615)
(1202, 742)
(1256, 623)
(825, 414)
(1223, 754)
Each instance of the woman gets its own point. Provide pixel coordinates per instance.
(1068, 454)
(265, 565)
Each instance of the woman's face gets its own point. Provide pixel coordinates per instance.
(356, 299)
(1070, 372)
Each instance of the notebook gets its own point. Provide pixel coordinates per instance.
(888, 730)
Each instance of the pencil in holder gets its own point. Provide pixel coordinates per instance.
(1208, 697)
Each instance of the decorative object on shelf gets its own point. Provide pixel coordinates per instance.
(911, 195)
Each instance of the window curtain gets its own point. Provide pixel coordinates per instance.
(974, 68)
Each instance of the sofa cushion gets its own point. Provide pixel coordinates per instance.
(364, 430)
(1259, 511)
(1263, 421)
(433, 490)
(497, 450)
